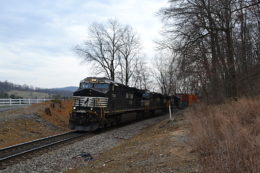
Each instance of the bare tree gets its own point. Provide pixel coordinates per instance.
(129, 53)
(141, 76)
(103, 46)
(112, 48)
(165, 74)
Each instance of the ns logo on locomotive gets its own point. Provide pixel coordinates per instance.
(100, 102)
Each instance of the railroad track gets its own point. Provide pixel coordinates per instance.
(11, 153)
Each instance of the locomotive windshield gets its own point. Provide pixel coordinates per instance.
(86, 85)
(94, 85)
(101, 85)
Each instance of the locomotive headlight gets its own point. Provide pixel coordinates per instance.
(74, 107)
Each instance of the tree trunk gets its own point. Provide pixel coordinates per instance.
(231, 65)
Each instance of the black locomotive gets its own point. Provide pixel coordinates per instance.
(100, 102)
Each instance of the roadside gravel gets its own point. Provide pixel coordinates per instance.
(68, 157)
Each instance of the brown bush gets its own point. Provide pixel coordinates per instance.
(47, 111)
(227, 136)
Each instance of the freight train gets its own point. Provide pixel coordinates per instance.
(100, 102)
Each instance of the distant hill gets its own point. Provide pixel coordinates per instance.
(69, 88)
(9, 89)
(64, 92)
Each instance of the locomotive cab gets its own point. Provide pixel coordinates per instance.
(90, 104)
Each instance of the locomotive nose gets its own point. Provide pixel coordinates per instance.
(89, 92)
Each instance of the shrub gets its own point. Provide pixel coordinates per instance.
(227, 136)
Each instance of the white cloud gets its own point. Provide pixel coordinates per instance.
(37, 37)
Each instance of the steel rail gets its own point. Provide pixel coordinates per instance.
(27, 147)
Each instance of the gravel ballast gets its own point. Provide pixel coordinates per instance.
(67, 157)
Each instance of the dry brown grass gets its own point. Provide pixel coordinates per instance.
(18, 131)
(14, 129)
(159, 148)
(227, 136)
(56, 113)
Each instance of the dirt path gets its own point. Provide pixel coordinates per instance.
(160, 148)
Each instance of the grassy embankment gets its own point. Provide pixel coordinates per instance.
(47, 119)
(56, 112)
(227, 137)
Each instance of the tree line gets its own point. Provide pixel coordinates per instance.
(9, 86)
(214, 45)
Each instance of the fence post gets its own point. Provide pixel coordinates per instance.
(20, 101)
(29, 101)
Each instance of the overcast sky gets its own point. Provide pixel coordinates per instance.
(37, 37)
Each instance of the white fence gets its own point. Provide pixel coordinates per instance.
(13, 102)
